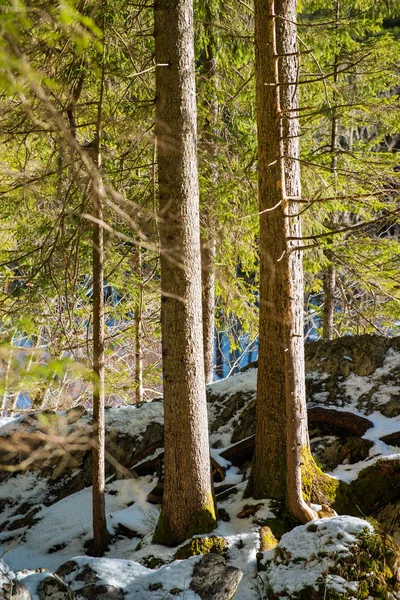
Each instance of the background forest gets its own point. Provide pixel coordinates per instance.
(59, 66)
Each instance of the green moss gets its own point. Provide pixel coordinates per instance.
(375, 487)
(267, 539)
(163, 533)
(317, 487)
(203, 521)
(202, 545)
(372, 563)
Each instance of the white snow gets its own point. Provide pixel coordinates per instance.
(239, 382)
(64, 527)
(136, 580)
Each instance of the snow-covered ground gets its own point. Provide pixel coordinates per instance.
(58, 532)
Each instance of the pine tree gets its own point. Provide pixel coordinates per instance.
(281, 431)
(188, 504)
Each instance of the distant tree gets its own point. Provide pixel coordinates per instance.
(188, 504)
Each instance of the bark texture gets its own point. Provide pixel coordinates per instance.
(281, 430)
(188, 505)
(267, 479)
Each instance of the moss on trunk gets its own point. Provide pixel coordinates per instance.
(203, 521)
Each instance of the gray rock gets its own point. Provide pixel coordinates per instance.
(213, 580)
(53, 588)
(10, 587)
(14, 590)
(392, 408)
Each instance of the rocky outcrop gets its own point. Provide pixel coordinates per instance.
(333, 558)
(57, 448)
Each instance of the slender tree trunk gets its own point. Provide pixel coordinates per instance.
(330, 271)
(100, 533)
(138, 328)
(280, 404)
(188, 505)
(267, 479)
(208, 243)
(208, 252)
(287, 70)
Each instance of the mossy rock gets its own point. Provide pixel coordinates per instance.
(368, 566)
(202, 545)
(267, 539)
(375, 563)
(366, 352)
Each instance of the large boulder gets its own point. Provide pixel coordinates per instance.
(340, 557)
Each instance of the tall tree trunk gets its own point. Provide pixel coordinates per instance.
(287, 71)
(188, 505)
(280, 404)
(100, 533)
(138, 328)
(330, 271)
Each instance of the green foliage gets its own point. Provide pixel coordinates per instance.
(353, 74)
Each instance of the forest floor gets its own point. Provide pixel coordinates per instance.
(37, 534)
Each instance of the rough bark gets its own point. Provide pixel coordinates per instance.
(188, 505)
(267, 479)
(296, 410)
(280, 407)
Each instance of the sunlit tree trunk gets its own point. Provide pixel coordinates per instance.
(100, 533)
(188, 505)
(281, 421)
